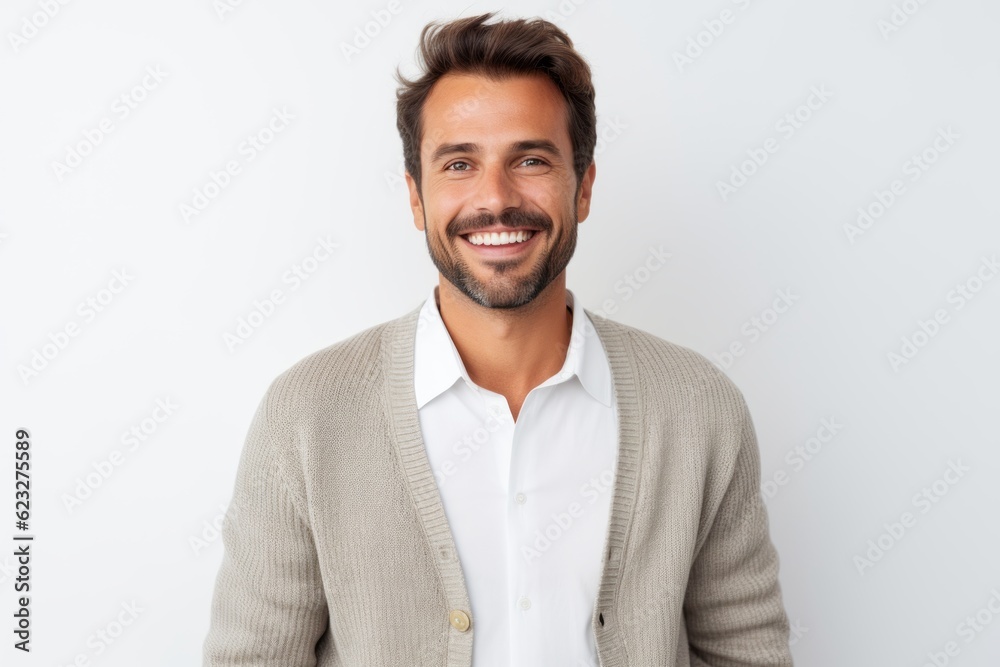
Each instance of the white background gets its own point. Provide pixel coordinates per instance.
(673, 130)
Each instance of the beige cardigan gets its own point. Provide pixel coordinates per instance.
(337, 552)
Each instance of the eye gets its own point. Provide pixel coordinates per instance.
(540, 161)
(449, 167)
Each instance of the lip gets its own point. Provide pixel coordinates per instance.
(508, 250)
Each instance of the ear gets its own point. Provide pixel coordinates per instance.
(416, 205)
(586, 188)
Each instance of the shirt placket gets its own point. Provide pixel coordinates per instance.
(522, 509)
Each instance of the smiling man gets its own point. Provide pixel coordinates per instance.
(499, 477)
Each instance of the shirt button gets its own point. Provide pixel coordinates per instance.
(495, 411)
(459, 620)
(521, 498)
(525, 603)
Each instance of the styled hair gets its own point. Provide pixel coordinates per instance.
(498, 50)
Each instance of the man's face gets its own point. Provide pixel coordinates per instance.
(497, 155)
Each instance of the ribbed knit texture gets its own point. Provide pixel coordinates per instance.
(337, 552)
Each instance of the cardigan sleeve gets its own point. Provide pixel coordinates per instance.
(269, 608)
(733, 608)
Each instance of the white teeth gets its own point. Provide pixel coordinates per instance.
(503, 238)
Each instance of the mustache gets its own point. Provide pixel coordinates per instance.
(511, 218)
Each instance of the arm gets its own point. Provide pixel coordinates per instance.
(733, 608)
(269, 608)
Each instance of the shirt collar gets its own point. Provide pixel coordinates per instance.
(437, 364)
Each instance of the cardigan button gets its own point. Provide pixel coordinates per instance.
(459, 620)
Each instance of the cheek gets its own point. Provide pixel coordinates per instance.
(547, 193)
(444, 202)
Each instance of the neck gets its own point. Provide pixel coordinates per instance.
(509, 351)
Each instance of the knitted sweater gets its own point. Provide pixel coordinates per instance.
(337, 551)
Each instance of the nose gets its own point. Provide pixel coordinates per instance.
(496, 190)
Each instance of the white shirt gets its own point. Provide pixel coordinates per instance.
(527, 502)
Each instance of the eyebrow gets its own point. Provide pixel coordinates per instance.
(543, 145)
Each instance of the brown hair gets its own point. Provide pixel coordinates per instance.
(498, 50)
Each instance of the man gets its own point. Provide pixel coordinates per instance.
(499, 477)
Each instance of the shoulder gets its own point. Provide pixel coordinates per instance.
(671, 373)
(683, 401)
(342, 374)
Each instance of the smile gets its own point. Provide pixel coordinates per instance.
(502, 238)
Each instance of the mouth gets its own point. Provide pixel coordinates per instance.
(502, 238)
(501, 244)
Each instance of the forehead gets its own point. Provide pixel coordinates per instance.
(467, 107)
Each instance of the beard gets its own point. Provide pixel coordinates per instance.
(509, 285)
